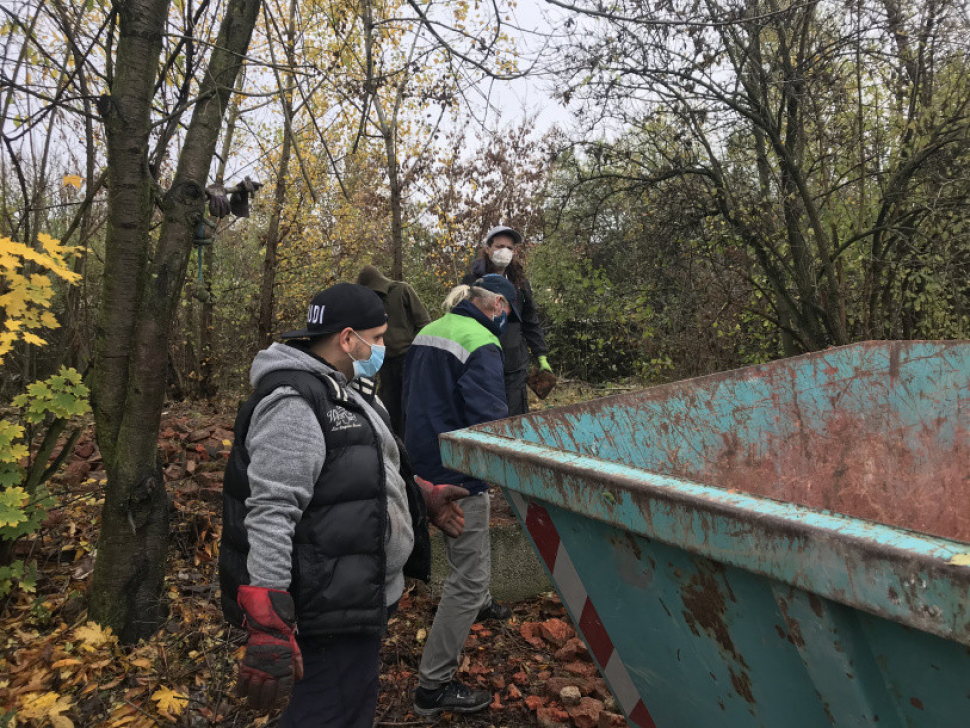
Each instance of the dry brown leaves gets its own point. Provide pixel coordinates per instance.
(58, 669)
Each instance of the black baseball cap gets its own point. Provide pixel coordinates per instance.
(501, 285)
(340, 306)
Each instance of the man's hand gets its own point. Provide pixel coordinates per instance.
(443, 511)
(272, 661)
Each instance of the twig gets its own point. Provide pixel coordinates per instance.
(142, 711)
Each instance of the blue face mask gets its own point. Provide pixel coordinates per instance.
(368, 367)
(502, 322)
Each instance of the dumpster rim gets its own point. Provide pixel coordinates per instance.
(924, 560)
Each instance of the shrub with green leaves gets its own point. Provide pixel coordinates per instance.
(24, 498)
(44, 409)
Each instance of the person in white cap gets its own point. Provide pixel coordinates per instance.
(501, 254)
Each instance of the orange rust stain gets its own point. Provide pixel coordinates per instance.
(852, 465)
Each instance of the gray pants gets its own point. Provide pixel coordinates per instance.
(465, 592)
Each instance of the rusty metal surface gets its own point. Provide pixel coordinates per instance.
(773, 610)
(709, 645)
(622, 459)
(877, 431)
(915, 579)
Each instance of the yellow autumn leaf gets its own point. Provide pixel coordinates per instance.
(123, 715)
(32, 339)
(92, 635)
(127, 720)
(227, 443)
(74, 180)
(169, 701)
(960, 559)
(39, 706)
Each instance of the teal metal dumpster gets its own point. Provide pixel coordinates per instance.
(785, 545)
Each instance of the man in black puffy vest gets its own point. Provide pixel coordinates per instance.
(322, 518)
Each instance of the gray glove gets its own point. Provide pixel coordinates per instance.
(218, 201)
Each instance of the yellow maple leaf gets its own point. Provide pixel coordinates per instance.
(92, 635)
(169, 701)
(48, 705)
(74, 180)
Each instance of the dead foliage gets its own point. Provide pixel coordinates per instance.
(58, 669)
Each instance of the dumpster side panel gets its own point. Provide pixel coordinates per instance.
(704, 645)
(690, 628)
(838, 659)
(707, 604)
(927, 677)
(904, 576)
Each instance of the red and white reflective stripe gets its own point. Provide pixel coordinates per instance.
(577, 601)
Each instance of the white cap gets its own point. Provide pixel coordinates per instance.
(502, 230)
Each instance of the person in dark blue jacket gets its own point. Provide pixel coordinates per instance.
(454, 378)
(502, 254)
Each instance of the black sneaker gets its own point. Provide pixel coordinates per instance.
(453, 697)
(494, 610)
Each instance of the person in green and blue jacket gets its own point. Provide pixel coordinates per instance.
(454, 378)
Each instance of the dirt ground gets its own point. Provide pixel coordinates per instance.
(58, 669)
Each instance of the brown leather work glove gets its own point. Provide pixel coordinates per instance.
(541, 381)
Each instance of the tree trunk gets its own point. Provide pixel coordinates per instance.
(387, 124)
(397, 217)
(139, 296)
(207, 387)
(267, 292)
(268, 285)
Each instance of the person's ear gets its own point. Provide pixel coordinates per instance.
(346, 339)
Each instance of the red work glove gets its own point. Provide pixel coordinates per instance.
(443, 511)
(272, 661)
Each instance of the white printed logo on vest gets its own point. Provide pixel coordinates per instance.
(315, 315)
(341, 419)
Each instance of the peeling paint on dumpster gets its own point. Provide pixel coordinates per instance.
(707, 604)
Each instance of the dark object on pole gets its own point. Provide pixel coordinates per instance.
(239, 196)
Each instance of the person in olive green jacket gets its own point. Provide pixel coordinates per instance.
(406, 316)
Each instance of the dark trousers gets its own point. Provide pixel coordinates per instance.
(516, 393)
(391, 391)
(340, 683)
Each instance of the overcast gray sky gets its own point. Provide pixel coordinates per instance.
(533, 95)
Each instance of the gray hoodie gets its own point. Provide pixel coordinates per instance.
(287, 452)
